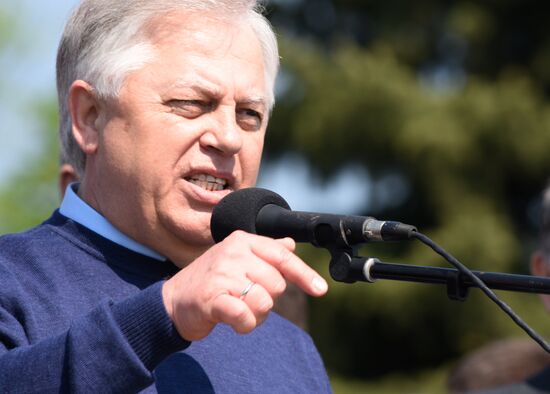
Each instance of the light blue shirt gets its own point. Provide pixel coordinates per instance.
(79, 211)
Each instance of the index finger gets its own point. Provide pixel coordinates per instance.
(291, 266)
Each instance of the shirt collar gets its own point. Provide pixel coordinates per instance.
(79, 211)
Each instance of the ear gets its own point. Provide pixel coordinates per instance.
(541, 267)
(67, 174)
(84, 107)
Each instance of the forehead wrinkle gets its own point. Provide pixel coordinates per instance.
(211, 89)
(181, 28)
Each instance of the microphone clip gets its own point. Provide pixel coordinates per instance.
(345, 265)
(348, 267)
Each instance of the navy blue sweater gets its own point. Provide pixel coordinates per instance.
(79, 313)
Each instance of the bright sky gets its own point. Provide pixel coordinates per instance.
(28, 73)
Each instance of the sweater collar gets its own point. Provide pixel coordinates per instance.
(73, 207)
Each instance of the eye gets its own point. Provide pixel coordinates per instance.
(249, 119)
(190, 108)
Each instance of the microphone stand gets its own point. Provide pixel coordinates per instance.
(346, 266)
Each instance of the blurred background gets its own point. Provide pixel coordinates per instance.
(434, 113)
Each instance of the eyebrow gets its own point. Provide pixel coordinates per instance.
(253, 100)
(214, 91)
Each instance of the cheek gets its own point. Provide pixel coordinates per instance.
(166, 148)
(251, 157)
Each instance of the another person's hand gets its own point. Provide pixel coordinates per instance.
(236, 282)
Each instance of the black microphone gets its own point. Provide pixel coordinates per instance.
(263, 212)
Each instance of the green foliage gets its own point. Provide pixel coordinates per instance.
(32, 193)
(422, 382)
(7, 26)
(470, 155)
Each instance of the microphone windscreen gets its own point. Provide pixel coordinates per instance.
(239, 209)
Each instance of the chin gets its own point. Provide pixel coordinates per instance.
(187, 227)
(191, 230)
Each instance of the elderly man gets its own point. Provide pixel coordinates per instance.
(164, 106)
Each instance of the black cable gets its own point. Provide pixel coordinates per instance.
(464, 270)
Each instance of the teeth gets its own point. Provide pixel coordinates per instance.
(208, 182)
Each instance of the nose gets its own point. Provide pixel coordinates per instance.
(223, 134)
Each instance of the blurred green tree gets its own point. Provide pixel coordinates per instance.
(467, 157)
(31, 192)
(442, 96)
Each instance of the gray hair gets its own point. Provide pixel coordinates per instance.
(105, 40)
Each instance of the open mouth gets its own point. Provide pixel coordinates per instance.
(208, 182)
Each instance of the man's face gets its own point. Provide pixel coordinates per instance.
(187, 129)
